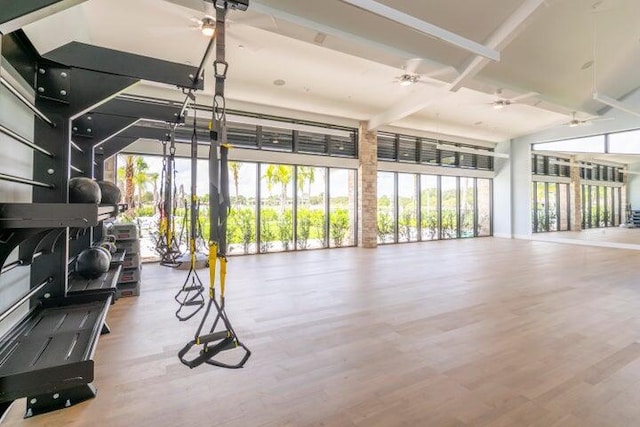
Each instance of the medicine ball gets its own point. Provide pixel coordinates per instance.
(84, 190)
(111, 247)
(92, 263)
(105, 250)
(111, 194)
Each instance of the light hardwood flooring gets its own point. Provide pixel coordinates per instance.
(482, 332)
(616, 237)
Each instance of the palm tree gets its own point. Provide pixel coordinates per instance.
(279, 175)
(128, 182)
(306, 174)
(234, 167)
(140, 177)
(156, 196)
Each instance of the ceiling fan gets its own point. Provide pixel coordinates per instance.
(501, 102)
(410, 76)
(577, 122)
(205, 24)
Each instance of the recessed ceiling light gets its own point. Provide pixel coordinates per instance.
(279, 82)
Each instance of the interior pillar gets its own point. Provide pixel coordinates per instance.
(367, 186)
(575, 189)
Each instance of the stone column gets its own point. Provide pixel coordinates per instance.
(110, 169)
(367, 186)
(575, 191)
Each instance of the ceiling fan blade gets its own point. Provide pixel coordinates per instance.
(602, 119)
(171, 8)
(412, 65)
(432, 82)
(173, 30)
(523, 96)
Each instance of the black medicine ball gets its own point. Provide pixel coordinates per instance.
(84, 190)
(111, 194)
(92, 263)
(105, 250)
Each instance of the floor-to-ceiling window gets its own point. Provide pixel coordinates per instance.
(449, 207)
(467, 207)
(429, 208)
(342, 207)
(407, 208)
(432, 207)
(386, 218)
(484, 206)
(276, 207)
(312, 202)
(241, 225)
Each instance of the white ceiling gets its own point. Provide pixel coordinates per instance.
(350, 74)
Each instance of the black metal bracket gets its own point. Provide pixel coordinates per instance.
(44, 403)
(88, 57)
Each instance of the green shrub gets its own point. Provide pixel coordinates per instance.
(144, 211)
(339, 226)
(384, 226)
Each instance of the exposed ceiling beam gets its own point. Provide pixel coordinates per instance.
(260, 7)
(426, 28)
(614, 103)
(407, 106)
(16, 14)
(498, 40)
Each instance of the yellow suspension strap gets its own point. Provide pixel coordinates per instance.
(167, 246)
(191, 295)
(221, 337)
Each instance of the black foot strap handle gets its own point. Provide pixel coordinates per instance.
(207, 354)
(190, 297)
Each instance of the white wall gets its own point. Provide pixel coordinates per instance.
(520, 189)
(502, 192)
(633, 186)
(15, 159)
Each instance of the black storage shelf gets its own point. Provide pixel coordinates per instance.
(54, 215)
(106, 283)
(118, 258)
(52, 348)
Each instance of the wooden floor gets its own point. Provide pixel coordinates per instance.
(613, 237)
(483, 332)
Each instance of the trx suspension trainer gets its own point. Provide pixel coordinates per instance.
(167, 246)
(191, 295)
(210, 341)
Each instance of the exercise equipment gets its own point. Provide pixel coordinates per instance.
(106, 251)
(91, 263)
(109, 238)
(84, 190)
(110, 246)
(111, 194)
(166, 245)
(221, 336)
(202, 258)
(191, 295)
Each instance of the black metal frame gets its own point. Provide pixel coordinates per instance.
(78, 122)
